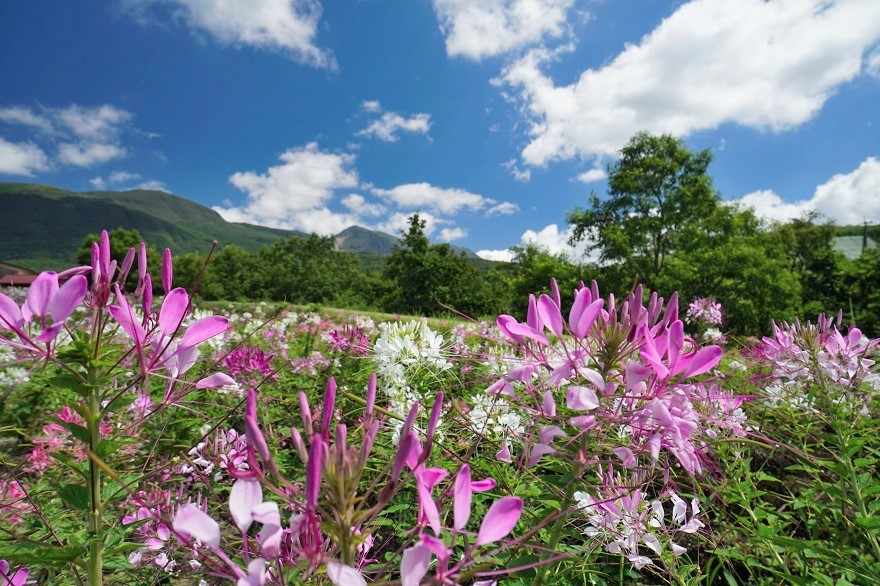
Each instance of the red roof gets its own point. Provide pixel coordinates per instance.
(17, 280)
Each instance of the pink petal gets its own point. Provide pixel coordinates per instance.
(581, 398)
(173, 310)
(428, 507)
(69, 295)
(342, 575)
(461, 507)
(532, 318)
(191, 521)
(313, 472)
(588, 318)
(676, 343)
(626, 456)
(216, 381)
(703, 361)
(524, 331)
(550, 316)
(49, 333)
(10, 314)
(41, 293)
(167, 270)
(500, 520)
(204, 329)
(437, 547)
(414, 565)
(256, 575)
(483, 485)
(244, 496)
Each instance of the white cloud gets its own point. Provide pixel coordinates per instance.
(25, 117)
(521, 175)
(88, 154)
(450, 234)
(22, 158)
(295, 194)
(439, 199)
(83, 135)
(480, 29)
(288, 26)
(505, 255)
(359, 205)
(549, 239)
(114, 179)
(592, 176)
(399, 221)
(390, 124)
(98, 123)
(846, 198)
(152, 185)
(767, 204)
(872, 62)
(371, 106)
(505, 208)
(763, 64)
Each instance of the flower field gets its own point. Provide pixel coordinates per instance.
(595, 438)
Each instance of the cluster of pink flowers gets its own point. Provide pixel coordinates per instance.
(627, 377)
(349, 339)
(805, 356)
(705, 311)
(310, 364)
(250, 366)
(14, 503)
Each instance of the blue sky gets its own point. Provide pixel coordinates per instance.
(492, 117)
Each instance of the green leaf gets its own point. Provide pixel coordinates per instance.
(75, 495)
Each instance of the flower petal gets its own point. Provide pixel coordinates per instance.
(204, 329)
(342, 575)
(461, 507)
(244, 496)
(414, 565)
(500, 520)
(69, 295)
(191, 521)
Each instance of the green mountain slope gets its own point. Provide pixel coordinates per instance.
(44, 226)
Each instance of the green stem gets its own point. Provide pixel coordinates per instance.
(556, 534)
(95, 563)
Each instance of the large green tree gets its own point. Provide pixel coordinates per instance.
(426, 277)
(659, 193)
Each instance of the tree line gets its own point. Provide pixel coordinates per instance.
(662, 224)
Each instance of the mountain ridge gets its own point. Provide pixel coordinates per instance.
(48, 225)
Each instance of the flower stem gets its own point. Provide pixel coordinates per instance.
(556, 533)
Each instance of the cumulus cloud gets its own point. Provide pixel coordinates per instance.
(521, 175)
(390, 124)
(592, 176)
(439, 199)
(399, 222)
(287, 26)
(89, 154)
(505, 255)
(450, 234)
(769, 65)
(505, 208)
(550, 239)
(477, 30)
(83, 136)
(847, 198)
(295, 194)
(25, 117)
(152, 185)
(22, 158)
(359, 205)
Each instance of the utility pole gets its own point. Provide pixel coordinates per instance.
(864, 235)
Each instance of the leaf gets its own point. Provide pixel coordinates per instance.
(75, 495)
(40, 554)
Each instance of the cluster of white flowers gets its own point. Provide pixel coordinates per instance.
(9, 373)
(627, 520)
(491, 414)
(401, 351)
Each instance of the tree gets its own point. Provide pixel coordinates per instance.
(428, 276)
(659, 194)
(305, 270)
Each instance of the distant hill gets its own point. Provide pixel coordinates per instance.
(44, 226)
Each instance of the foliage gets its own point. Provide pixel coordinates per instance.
(659, 195)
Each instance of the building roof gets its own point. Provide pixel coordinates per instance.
(17, 280)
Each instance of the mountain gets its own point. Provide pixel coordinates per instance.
(44, 226)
